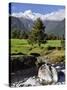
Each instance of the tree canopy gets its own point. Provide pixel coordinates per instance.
(37, 34)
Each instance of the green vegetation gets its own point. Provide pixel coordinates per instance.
(48, 50)
(37, 42)
(37, 34)
(22, 45)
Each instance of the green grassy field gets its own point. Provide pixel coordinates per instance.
(22, 46)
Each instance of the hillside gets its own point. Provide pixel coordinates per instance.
(55, 27)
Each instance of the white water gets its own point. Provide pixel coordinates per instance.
(34, 81)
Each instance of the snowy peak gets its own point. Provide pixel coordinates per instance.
(54, 16)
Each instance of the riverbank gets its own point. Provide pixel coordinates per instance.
(28, 77)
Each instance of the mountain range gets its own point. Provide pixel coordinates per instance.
(54, 22)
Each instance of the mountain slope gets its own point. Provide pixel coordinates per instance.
(54, 22)
(20, 23)
(55, 27)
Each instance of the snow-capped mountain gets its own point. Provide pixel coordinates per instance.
(28, 14)
(54, 22)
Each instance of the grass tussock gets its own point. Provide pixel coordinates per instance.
(56, 56)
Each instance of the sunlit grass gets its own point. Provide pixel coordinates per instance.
(22, 45)
(54, 55)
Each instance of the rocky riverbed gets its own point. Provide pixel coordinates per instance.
(28, 77)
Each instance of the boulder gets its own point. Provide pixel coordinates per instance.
(47, 74)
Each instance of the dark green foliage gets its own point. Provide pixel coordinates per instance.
(19, 34)
(52, 37)
(51, 48)
(15, 33)
(44, 41)
(24, 35)
(37, 34)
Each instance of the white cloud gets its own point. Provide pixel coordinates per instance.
(20, 14)
(28, 12)
(57, 15)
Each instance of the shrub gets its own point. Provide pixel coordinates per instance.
(30, 49)
(51, 48)
(59, 48)
(41, 47)
(43, 42)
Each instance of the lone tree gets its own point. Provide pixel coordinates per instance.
(37, 34)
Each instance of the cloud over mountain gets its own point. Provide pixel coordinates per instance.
(57, 15)
(54, 21)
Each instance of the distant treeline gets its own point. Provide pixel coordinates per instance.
(20, 34)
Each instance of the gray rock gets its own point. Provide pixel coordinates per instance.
(47, 74)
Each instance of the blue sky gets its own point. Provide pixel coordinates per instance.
(37, 8)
